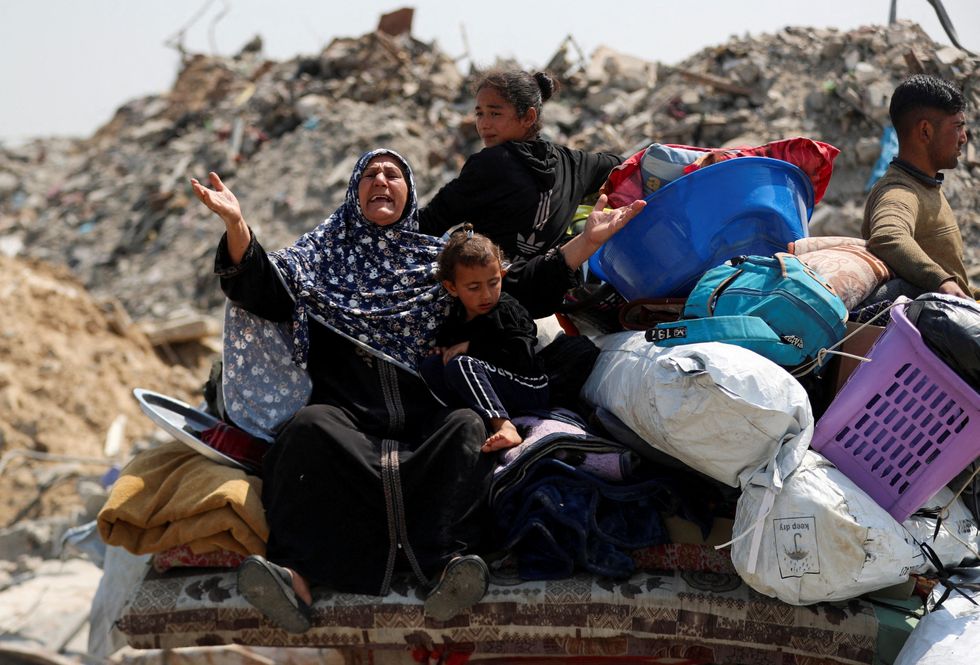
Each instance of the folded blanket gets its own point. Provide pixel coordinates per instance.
(171, 495)
(845, 262)
(182, 557)
(853, 271)
(814, 243)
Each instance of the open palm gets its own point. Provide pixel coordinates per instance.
(219, 200)
(602, 224)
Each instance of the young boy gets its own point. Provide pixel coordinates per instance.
(484, 357)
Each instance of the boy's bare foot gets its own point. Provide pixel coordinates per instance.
(506, 436)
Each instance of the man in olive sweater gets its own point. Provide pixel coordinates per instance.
(907, 221)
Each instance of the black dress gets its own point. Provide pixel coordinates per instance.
(373, 473)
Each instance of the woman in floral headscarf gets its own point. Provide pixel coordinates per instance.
(372, 466)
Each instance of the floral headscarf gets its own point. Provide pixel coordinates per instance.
(373, 284)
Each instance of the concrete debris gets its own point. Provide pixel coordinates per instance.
(183, 329)
(117, 209)
(67, 421)
(51, 609)
(626, 73)
(115, 214)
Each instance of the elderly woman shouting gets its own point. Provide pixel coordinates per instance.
(372, 475)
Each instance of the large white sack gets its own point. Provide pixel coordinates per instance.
(958, 537)
(823, 539)
(721, 409)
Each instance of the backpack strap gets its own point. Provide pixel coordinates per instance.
(749, 332)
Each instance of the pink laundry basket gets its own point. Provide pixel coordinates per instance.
(904, 424)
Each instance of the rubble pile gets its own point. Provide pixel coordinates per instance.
(118, 211)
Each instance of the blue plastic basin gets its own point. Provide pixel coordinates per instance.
(741, 206)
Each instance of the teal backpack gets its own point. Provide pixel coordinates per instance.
(776, 306)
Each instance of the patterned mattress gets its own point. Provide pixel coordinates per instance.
(689, 617)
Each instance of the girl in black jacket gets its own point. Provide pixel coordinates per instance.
(520, 191)
(484, 357)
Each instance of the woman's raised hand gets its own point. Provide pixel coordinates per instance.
(219, 200)
(224, 204)
(602, 224)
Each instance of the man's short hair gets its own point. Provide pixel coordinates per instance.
(919, 93)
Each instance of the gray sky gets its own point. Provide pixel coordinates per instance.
(66, 65)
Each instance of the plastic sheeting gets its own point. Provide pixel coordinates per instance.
(720, 409)
(950, 326)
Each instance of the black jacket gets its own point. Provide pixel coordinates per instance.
(504, 337)
(520, 194)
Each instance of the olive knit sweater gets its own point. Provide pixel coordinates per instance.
(909, 225)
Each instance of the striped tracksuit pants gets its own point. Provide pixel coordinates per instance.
(491, 391)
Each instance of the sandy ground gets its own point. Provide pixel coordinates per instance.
(67, 370)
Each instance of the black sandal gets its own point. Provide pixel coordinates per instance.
(269, 589)
(463, 584)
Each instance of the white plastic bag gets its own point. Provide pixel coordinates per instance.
(721, 409)
(824, 539)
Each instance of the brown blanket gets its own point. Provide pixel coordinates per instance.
(845, 263)
(171, 495)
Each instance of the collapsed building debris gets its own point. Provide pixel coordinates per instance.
(117, 209)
